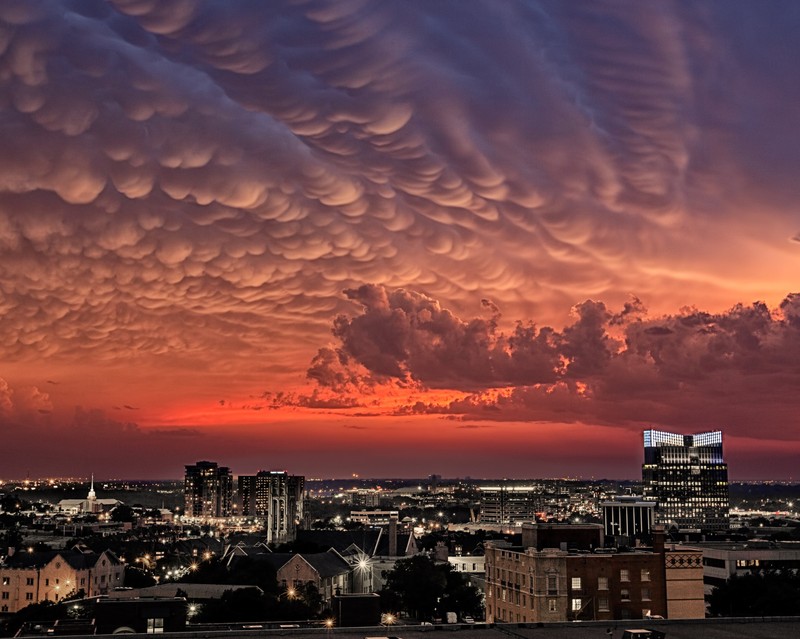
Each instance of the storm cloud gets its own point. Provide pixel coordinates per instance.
(737, 369)
(187, 187)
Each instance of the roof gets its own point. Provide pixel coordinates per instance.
(327, 564)
(190, 591)
(79, 560)
(406, 544)
(341, 540)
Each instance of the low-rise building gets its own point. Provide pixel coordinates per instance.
(531, 585)
(31, 577)
(724, 559)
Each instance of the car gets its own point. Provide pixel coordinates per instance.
(468, 620)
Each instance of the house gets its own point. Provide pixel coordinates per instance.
(328, 571)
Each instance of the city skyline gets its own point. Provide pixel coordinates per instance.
(395, 239)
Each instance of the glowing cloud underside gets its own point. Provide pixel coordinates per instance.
(193, 194)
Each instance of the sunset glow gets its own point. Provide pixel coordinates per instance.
(495, 239)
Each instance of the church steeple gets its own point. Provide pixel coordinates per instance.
(92, 495)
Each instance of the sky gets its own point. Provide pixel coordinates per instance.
(395, 238)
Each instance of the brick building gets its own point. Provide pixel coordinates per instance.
(551, 584)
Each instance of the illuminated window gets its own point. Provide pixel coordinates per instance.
(552, 605)
(576, 605)
(624, 575)
(155, 626)
(625, 594)
(645, 574)
(602, 583)
(576, 583)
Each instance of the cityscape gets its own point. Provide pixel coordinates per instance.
(379, 318)
(217, 551)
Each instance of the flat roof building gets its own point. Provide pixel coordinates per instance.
(688, 478)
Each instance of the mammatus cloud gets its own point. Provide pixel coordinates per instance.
(692, 369)
(174, 173)
(187, 187)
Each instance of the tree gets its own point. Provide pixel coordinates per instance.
(771, 593)
(123, 513)
(11, 538)
(244, 604)
(138, 578)
(424, 589)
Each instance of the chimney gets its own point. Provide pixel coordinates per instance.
(393, 536)
(659, 537)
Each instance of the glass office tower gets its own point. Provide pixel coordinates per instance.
(688, 477)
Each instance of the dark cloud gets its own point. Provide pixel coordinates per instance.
(693, 369)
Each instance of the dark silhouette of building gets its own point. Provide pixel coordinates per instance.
(208, 490)
(628, 518)
(275, 497)
(687, 477)
(562, 536)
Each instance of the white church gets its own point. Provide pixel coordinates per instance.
(90, 505)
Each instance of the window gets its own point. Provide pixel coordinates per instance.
(6, 581)
(645, 594)
(624, 575)
(576, 583)
(46, 582)
(29, 581)
(552, 585)
(4, 609)
(83, 581)
(155, 626)
(602, 583)
(625, 594)
(28, 596)
(602, 604)
(5, 594)
(645, 574)
(552, 605)
(576, 605)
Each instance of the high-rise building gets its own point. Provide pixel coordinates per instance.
(510, 503)
(275, 497)
(208, 490)
(687, 477)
